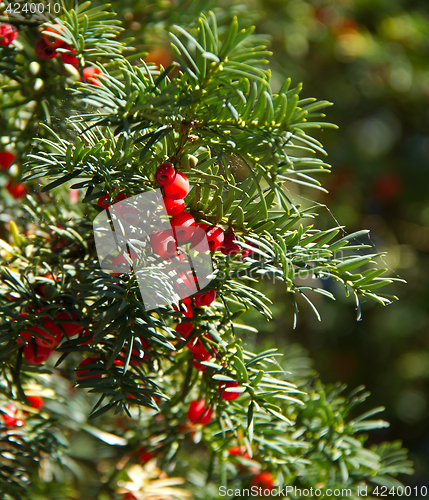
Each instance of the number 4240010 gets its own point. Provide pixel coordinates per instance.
(33, 8)
(400, 491)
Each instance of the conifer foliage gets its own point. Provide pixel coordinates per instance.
(82, 112)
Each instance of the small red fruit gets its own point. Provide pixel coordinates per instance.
(240, 451)
(205, 298)
(51, 339)
(136, 354)
(129, 496)
(197, 347)
(163, 243)
(43, 51)
(90, 75)
(145, 456)
(6, 159)
(165, 173)
(183, 226)
(184, 328)
(52, 41)
(198, 413)
(214, 234)
(35, 354)
(18, 190)
(8, 33)
(201, 357)
(173, 207)
(229, 247)
(35, 402)
(226, 395)
(263, 480)
(198, 366)
(87, 361)
(185, 308)
(70, 328)
(69, 58)
(10, 417)
(179, 188)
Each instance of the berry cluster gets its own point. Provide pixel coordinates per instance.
(46, 48)
(13, 418)
(42, 339)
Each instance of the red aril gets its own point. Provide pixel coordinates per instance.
(65, 320)
(173, 207)
(165, 174)
(163, 243)
(204, 298)
(183, 226)
(87, 361)
(52, 41)
(43, 51)
(226, 395)
(35, 354)
(35, 401)
(198, 413)
(6, 159)
(179, 188)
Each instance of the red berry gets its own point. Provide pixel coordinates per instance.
(185, 308)
(165, 173)
(198, 366)
(246, 252)
(18, 190)
(184, 329)
(145, 456)
(263, 480)
(198, 413)
(69, 58)
(51, 339)
(6, 159)
(183, 226)
(43, 51)
(205, 298)
(52, 41)
(214, 234)
(197, 347)
(10, 416)
(173, 207)
(240, 451)
(179, 188)
(35, 354)
(87, 361)
(229, 247)
(35, 402)
(129, 496)
(70, 328)
(8, 33)
(226, 395)
(201, 357)
(163, 243)
(90, 73)
(135, 354)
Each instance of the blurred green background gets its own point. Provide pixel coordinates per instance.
(371, 59)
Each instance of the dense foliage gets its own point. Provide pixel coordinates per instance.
(89, 121)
